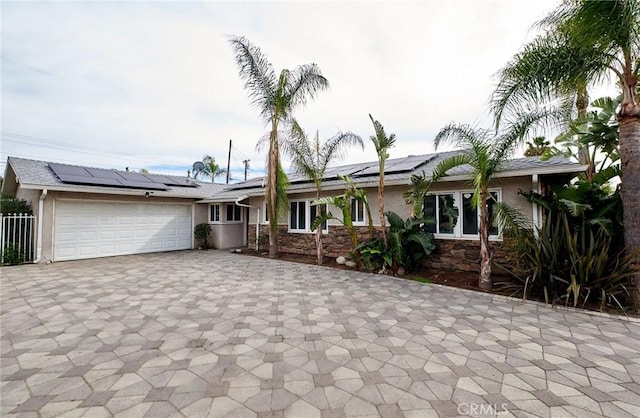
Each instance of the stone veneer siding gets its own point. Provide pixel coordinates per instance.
(451, 254)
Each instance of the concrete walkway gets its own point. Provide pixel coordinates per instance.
(208, 334)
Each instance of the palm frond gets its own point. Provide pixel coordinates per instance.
(257, 73)
(449, 163)
(303, 84)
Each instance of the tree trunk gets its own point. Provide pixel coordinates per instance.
(319, 234)
(383, 226)
(272, 191)
(485, 282)
(630, 188)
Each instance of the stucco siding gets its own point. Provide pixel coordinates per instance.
(49, 211)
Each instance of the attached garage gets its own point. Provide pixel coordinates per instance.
(86, 229)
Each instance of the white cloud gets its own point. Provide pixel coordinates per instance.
(157, 83)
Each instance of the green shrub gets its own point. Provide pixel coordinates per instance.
(201, 232)
(12, 254)
(574, 265)
(408, 243)
(13, 205)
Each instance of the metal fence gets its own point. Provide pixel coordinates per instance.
(17, 238)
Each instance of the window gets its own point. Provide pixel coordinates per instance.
(214, 213)
(297, 216)
(302, 214)
(449, 208)
(357, 212)
(265, 213)
(234, 213)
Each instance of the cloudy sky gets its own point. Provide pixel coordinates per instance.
(154, 85)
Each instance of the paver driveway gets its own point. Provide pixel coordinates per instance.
(202, 334)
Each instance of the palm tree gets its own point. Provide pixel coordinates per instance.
(209, 168)
(276, 98)
(311, 157)
(592, 41)
(537, 147)
(486, 153)
(382, 143)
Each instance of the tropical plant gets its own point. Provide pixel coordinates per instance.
(276, 97)
(201, 232)
(344, 203)
(574, 264)
(594, 136)
(208, 168)
(584, 43)
(418, 188)
(538, 147)
(408, 243)
(382, 142)
(485, 152)
(311, 157)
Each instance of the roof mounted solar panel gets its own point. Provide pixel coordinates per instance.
(94, 181)
(144, 185)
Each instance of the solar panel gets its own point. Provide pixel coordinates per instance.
(131, 176)
(101, 177)
(68, 169)
(144, 185)
(94, 181)
(103, 174)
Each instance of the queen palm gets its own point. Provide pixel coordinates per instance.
(486, 153)
(382, 143)
(209, 168)
(592, 40)
(276, 97)
(311, 157)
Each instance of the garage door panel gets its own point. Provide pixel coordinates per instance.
(98, 229)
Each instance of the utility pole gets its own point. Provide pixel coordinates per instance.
(246, 168)
(229, 163)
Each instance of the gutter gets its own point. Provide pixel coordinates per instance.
(40, 225)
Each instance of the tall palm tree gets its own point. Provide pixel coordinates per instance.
(311, 157)
(382, 143)
(486, 153)
(209, 168)
(604, 38)
(276, 97)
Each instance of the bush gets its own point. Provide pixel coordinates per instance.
(408, 243)
(12, 254)
(201, 232)
(13, 205)
(574, 265)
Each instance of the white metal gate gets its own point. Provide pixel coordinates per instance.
(17, 238)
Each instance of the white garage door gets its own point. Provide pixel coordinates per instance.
(98, 229)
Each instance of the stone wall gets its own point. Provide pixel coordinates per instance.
(451, 254)
(336, 242)
(462, 255)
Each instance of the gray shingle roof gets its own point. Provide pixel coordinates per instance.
(35, 173)
(399, 171)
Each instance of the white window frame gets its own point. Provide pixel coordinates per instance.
(457, 203)
(307, 216)
(265, 214)
(211, 220)
(232, 206)
(358, 222)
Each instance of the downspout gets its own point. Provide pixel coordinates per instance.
(237, 202)
(40, 223)
(535, 182)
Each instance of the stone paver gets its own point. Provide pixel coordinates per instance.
(212, 334)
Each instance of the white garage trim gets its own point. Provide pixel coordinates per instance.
(91, 229)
